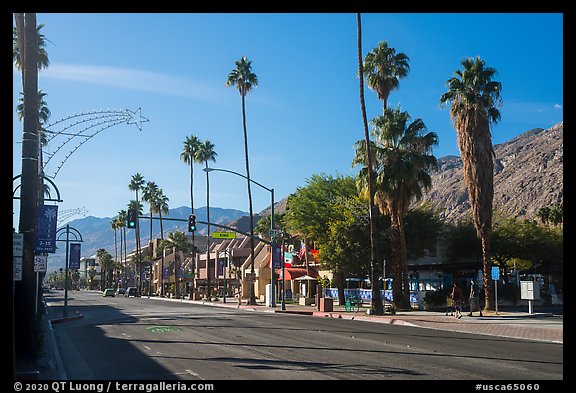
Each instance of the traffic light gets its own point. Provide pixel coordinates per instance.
(132, 217)
(191, 223)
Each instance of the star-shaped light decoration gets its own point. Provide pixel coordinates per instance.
(136, 118)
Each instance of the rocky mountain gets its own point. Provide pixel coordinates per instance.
(528, 174)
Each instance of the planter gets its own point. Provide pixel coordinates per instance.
(306, 301)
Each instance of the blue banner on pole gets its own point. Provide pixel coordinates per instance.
(46, 229)
(74, 262)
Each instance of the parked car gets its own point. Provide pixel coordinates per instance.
(131, 291)
(121, 291)
(108, 292)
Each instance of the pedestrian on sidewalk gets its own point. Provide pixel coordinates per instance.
(449, 305)
(457, 300)
(474, 298)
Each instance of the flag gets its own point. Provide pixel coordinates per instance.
(302, 250)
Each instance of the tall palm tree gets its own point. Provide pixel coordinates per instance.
(137, 206)
(160, 205)
(383, 68)
(204, 154)
(402, 156)
(377, 306)
(188, 155)
(137, 183)
(244, 80)
(114, 225)
(121, 222)
(149, 193)
(474, 97)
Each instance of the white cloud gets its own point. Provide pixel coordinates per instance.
(557, 107)
(134, 79)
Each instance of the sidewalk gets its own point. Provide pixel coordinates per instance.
(511, 324)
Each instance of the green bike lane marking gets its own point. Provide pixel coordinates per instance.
(163, 329)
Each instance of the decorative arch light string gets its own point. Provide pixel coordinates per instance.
(92, 124)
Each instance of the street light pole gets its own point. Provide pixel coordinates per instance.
(271, 191)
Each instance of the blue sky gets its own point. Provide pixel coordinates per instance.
(302, 119)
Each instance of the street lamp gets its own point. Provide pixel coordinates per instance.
(271, 191)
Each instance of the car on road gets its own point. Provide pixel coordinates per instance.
(132, 291)
(108, 292)
(121, 291)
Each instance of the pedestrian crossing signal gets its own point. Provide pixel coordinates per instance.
(191, 223)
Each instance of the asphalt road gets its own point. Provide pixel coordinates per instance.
(142, 339)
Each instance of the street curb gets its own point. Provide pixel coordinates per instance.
(59, 363)
(66, 319)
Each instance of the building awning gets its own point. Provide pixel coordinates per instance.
(293, 273)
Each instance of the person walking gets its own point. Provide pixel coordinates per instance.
(457, 300)
(474, 298)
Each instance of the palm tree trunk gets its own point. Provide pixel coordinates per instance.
(404, 262)
(162, 257)
(193, 233)
(377, 307)
(488, 283)
(24, 289)
(125, 256)
(208, 283)
(396, 256)
(252, 295)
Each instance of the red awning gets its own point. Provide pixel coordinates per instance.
(293, 273)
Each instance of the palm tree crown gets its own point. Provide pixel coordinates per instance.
(188, 155)
(242, 76)
(382, 69)
(43, 60)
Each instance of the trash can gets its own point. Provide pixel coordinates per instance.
(326, 304)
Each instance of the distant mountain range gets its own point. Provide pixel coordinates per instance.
(98, 233)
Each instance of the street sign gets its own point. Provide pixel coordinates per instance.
(17, 269)
(224, 235)
(40, 263)
(17, 244)
(495, 273)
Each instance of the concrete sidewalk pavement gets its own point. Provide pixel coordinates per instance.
(545, 327)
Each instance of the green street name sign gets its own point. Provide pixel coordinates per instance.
(224, 235)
